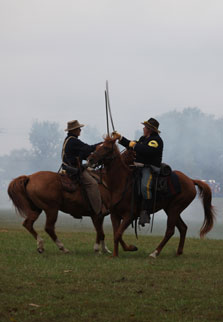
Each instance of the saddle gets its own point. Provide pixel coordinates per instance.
(166, 182)
(68, 184)
(69, 178)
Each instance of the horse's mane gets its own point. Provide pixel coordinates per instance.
(127, 156)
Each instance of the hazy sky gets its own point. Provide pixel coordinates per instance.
(57, 54)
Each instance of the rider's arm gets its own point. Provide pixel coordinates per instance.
(124, 142)
(87, 149)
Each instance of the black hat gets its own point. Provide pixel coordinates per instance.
(152, 124)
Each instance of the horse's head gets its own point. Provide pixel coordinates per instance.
(104, 153)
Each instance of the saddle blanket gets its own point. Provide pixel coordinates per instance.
(168, 186)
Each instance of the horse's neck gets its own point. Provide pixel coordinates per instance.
(117, 174)
(127, 157)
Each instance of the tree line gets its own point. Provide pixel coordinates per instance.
(193, 144)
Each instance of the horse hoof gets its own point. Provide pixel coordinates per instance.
(40, 250)
(133, 248)
(106, 251)
(154, 254)
(65, 250)
(96, 247)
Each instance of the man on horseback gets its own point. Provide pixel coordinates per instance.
(149, 150)
(73, 152)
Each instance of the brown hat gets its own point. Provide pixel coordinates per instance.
(72, 125)
(152, 124)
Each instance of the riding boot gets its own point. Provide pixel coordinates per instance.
(144, 217)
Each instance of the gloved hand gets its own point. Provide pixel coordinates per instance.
(132, 144)
(116, 135)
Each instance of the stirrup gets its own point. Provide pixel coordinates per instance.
(144, 218)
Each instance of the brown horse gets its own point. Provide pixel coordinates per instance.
(120, 179)
(43, 191)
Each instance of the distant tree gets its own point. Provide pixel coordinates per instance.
(16, 163)
(46, 139)
(45, 154)
(193, 143)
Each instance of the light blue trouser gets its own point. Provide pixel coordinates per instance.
(146, 183)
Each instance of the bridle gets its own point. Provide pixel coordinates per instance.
(108, 156)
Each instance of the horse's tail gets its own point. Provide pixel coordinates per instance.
(209, 211)
(18, 195)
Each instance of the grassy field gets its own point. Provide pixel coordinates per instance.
(83, 286)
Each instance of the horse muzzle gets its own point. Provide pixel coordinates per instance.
(91, 163)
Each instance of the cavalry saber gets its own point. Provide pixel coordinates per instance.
(106, 109)
(109, 106)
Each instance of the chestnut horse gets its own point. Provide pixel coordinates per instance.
(43, 191)
(120, 179)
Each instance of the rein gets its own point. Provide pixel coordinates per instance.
(105, 158)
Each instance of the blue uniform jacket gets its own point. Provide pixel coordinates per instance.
(75, 148)
(149, 150)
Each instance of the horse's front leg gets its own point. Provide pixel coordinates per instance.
(100, 236)
(118, 232)
(116, 219)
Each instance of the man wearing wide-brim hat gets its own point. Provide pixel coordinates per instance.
(74, 151)
(149, 151)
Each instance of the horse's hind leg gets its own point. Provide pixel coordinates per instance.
(100, 236)
(182, 227)
(28, 224)
(51, 218)
(171, 223)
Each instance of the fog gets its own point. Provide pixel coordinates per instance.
(56, 56)
(159, 57)
(193, 216)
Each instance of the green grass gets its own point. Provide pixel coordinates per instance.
(82, 286)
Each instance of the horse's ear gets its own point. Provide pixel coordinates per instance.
(108, 138)
(114, 139)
